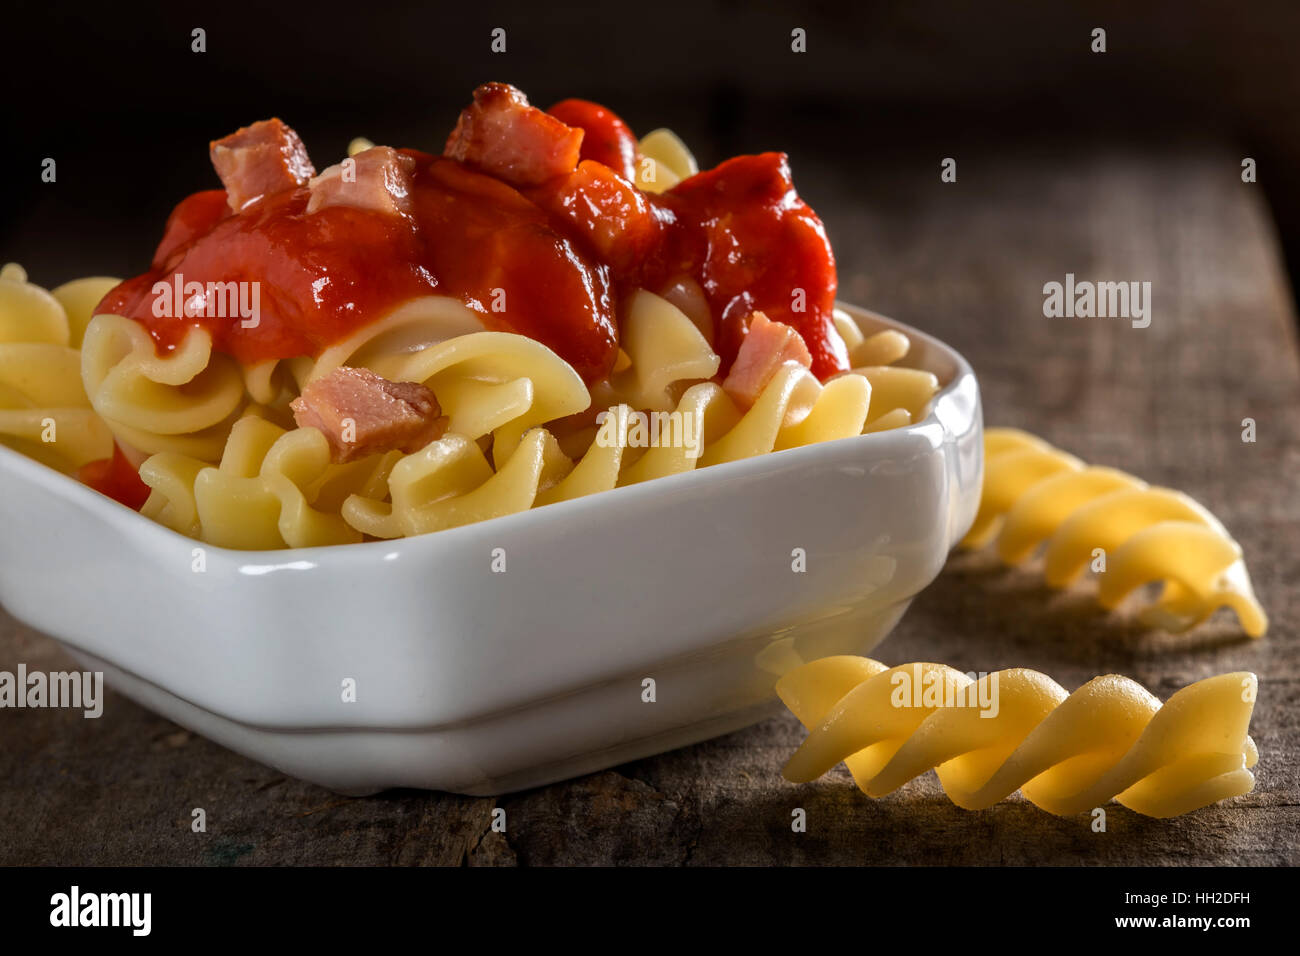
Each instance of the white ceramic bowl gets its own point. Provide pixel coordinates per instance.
(483, 682)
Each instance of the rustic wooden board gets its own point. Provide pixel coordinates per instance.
(968, 262)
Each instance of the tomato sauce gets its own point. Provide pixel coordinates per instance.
(559, 256)
(117, 478)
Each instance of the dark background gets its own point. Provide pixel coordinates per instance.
(115, 95)
(1124, 166)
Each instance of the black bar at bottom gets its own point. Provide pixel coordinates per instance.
(299, 905)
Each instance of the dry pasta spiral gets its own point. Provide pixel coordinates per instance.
(1067, 753)
(1036, 494)
(44, 412)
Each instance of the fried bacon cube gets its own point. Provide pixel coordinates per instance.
(361, 413)
(767, 346)
(259, 160)
(377, 179)
(500, 134)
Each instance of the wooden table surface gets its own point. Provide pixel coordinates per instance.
(966, 261)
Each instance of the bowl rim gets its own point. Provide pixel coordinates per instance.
(131, 522)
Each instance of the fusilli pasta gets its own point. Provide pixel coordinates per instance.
(1019, 730)
(44, 412)
(273, 489)
(184, 401)
(425, 488)
(225, 462)
(664, 161)
(899, 396)
(1034, 493)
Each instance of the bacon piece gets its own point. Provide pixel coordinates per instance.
(258, 160)
(361, 413)
(766, 347)
(380, 180)
(501, 134)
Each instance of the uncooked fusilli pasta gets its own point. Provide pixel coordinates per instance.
(1020, 730)
(1134, 533)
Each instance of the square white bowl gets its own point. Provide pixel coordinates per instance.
(482, 682)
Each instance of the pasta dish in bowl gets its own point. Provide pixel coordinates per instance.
(662, 465)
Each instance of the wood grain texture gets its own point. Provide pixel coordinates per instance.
(966, 261)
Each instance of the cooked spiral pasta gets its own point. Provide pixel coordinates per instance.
(184, 401)
(225, 462)
(451, 482)
(491, 383)
(359, 144)
(416, 325)
(663, 348)
(664, 161)
(273, 489)
(504, 396)
(667, 354)
(44, 412)
(1019, 730)
(1034, 493)
(899, 396)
